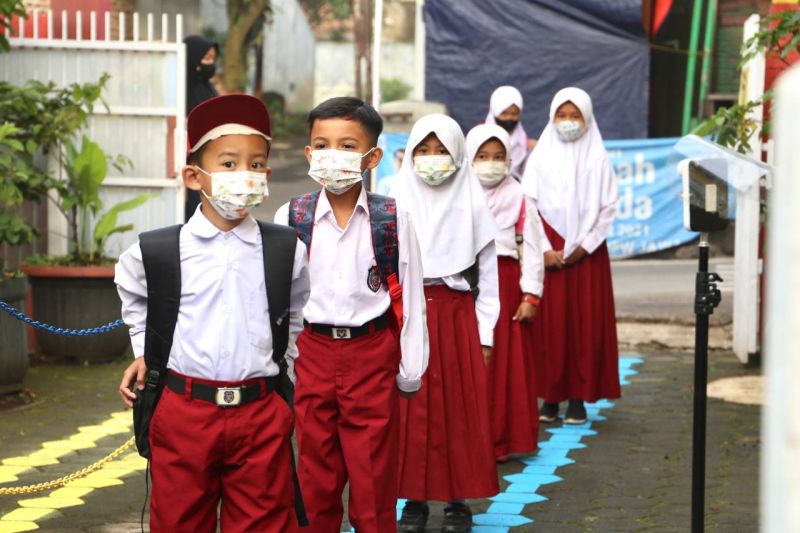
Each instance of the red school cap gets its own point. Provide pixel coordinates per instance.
(230, 114)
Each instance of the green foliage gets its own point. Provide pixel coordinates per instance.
(321, 10)
(733, 126)
(779, 34)
(36, 117)
(79, 200)
(7, 9)
(394, 89)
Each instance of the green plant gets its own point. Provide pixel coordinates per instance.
(8, 8)
(36, 118)
(394, 89)
(79, 200)
(734, 126)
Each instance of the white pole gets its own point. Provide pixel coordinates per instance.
(419, 51)
(780, 460)
(748, 217)
(377, 34)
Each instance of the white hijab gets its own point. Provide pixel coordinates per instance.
(571, 181)
(505, 198)
(502, 98)
(452, 220)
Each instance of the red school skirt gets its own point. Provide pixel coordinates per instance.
(575, 330)
(512, 385)
(446, 448)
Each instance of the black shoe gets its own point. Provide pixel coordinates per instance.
(548, 413)
(576, 412)
(414, 517)
(457, 518)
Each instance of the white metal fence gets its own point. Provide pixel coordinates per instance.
(146, 105)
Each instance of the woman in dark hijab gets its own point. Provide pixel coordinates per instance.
(201, 57)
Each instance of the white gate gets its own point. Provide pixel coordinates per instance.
(146, 106)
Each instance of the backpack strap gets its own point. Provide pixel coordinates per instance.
(383, 223)
(278, 245)
(301, 216)
(472, 276)
(161, 258)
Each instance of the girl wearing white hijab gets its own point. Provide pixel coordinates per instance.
(446, 449)
(570, 179)
(512, 391)
(505, 110)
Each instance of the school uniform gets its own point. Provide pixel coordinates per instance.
(202, 452)
(573, 186)
(353, 358)
(446, 444)
(512, 387)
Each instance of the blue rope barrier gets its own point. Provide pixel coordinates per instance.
(60, 331)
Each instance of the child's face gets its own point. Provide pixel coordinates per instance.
(510, 113)
(430, 145)
(343, 134)
(491, 150)
(568, 111)
(225, 154)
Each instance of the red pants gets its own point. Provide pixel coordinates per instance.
(346, 403)
(202, 453)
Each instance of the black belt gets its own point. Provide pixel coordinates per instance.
(223, 396)
(342, 333)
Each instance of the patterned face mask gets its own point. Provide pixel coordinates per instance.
(570, 130)
(434, 169)
(235, 194)
(336, 170)
(490, 173)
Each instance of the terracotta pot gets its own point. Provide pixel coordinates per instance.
(14, 345)
(77, 298)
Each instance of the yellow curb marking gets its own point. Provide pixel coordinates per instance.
(32, 510)
(15, 527)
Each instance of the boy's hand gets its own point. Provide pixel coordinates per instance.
(487, 354)
(135, 373)
(525, 312)
(407, 395)
(554, 259)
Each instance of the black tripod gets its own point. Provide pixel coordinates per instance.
(706, 299)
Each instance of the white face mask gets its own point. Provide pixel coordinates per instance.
(336, 170)
(434, 169)
(570, 130)
(490, 173)
(234, 194)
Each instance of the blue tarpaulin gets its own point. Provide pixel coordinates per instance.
(650, 211)
(539, 46)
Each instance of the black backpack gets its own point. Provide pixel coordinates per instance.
(162, 266)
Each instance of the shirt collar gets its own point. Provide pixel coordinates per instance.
(324, 206)
(200, 226)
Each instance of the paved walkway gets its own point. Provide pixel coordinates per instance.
(627, 469)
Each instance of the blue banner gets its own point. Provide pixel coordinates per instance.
(650, 212)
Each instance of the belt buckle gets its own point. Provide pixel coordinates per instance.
(341, 333)
(228, 396)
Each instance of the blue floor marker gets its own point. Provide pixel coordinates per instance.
(507, 508)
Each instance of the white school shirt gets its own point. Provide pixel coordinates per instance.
(223, 330)
(339, 266)
(487, 305)
(532, 261)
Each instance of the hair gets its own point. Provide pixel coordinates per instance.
(197, 156)
(349, 108)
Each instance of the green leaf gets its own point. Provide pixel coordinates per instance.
(108, 222)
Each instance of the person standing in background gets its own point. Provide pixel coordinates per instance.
(201, 65)
(505, 110)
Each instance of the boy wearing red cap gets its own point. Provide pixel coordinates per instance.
(219, 431)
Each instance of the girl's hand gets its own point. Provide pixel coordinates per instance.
(487, 354)
(525, 312)
(554, 259)
(576, 256)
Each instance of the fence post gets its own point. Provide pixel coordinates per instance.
(780, 459)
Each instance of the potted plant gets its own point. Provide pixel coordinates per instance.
(77, 290)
